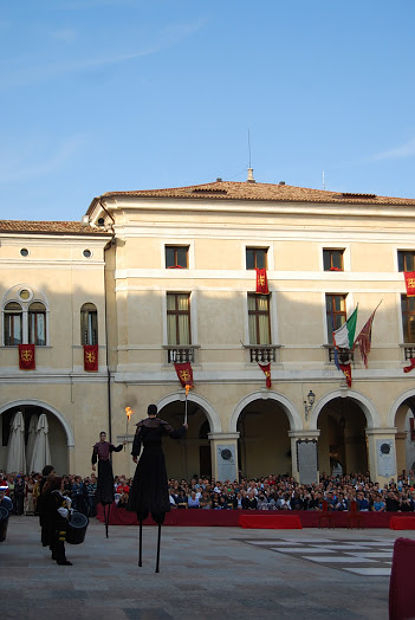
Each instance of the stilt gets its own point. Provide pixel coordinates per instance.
(106, 517)
(140, 544)
(158, 549)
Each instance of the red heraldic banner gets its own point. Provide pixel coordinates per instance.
(27, 357)
(266, 369)
(411, 365)
(410, 283)
(261, 282)
(185, 374)
(347, 371)
(91, 357)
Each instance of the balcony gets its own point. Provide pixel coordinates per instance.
(262, 353)
(181, 353)
(408, 350)
(344, 355)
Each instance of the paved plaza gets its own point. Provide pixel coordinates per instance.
(205, 573)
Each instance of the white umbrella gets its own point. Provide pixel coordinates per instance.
(41, 450)
(16, 459)
(31, 439)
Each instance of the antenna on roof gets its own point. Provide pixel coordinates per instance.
(250, 178)
(323, 179)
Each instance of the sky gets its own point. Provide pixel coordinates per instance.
(117, 95)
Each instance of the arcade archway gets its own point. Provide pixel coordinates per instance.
(60, 436)
(191, 456)
(342, 446)
(264, 446)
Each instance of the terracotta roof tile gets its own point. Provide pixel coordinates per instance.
(230, 190)
(60, 228)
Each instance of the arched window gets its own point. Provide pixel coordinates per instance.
(37, 324)
(89, 324)
(12, 324)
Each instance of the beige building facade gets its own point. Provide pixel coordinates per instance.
(164, 276)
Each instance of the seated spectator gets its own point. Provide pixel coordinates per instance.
(193, 501)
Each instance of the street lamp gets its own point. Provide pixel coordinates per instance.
(308, 404)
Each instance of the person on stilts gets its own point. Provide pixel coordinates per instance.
(105, 485)
(149, 491)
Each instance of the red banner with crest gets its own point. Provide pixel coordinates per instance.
(185, 374)
(91, 357)
(261, 282)
(27, 357)
(410, 283)
(266, 369)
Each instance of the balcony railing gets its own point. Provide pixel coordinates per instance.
(262, 353)
(181, 353)
(408, 350)
(344, 355)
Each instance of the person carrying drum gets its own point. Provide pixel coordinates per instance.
(6, 507)
(105, 486)
(57, 508)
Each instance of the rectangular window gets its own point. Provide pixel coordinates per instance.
(89, 324)
(408, 318)
(37, 324)
(406, 260)
(12, 324)
(256, 258)
(178, 318)
(259, 319)
(333, 260)
(177, 256)
(335, 313)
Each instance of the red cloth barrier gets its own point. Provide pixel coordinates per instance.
(230, 518)
(402, 523)
(270, 522)
(401, 585)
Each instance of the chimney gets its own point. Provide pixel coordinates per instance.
(250, 178)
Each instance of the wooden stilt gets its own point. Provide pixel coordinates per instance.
(107, 508)
(140, 544)
(158, 549)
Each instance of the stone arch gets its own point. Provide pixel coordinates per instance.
(211, 414)
(395, 406)
(368, 408)
(293, 416)
(70, 442)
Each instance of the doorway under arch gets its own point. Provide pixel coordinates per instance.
(58, 435)
(189, 457)
(342, 445)
(264, 446)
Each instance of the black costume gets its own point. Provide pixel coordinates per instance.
(105, 485)
(57, 509)
(149, 492)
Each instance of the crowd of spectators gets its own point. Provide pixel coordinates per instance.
(273, 492)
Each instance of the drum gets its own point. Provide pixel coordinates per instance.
(76, 530)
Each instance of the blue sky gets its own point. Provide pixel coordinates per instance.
(105, 95)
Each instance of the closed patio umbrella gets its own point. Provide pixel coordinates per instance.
(16, 454)
(41, 450)
(31, 439)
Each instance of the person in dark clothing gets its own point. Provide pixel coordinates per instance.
(6, 506)
(149, 492)
(19, 493)
(57, 508)
(45, 533)
(101, 452)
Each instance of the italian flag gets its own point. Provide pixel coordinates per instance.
(343, 338)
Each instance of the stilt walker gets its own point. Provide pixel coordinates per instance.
(105, 485)
(149, 492)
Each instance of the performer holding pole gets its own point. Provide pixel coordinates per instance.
(105, 486)
(149, 492)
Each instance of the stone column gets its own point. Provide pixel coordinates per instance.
(400, 446)
(224, 451)
(304, 455)
(382, 454)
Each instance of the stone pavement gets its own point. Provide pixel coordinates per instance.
(205, 573)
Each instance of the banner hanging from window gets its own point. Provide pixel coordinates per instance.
(91, 357)
(261, 282)
(27, 357)
(410, 283)
(185, 374)
(266, 369)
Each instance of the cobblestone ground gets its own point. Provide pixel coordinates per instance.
(205, 573)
